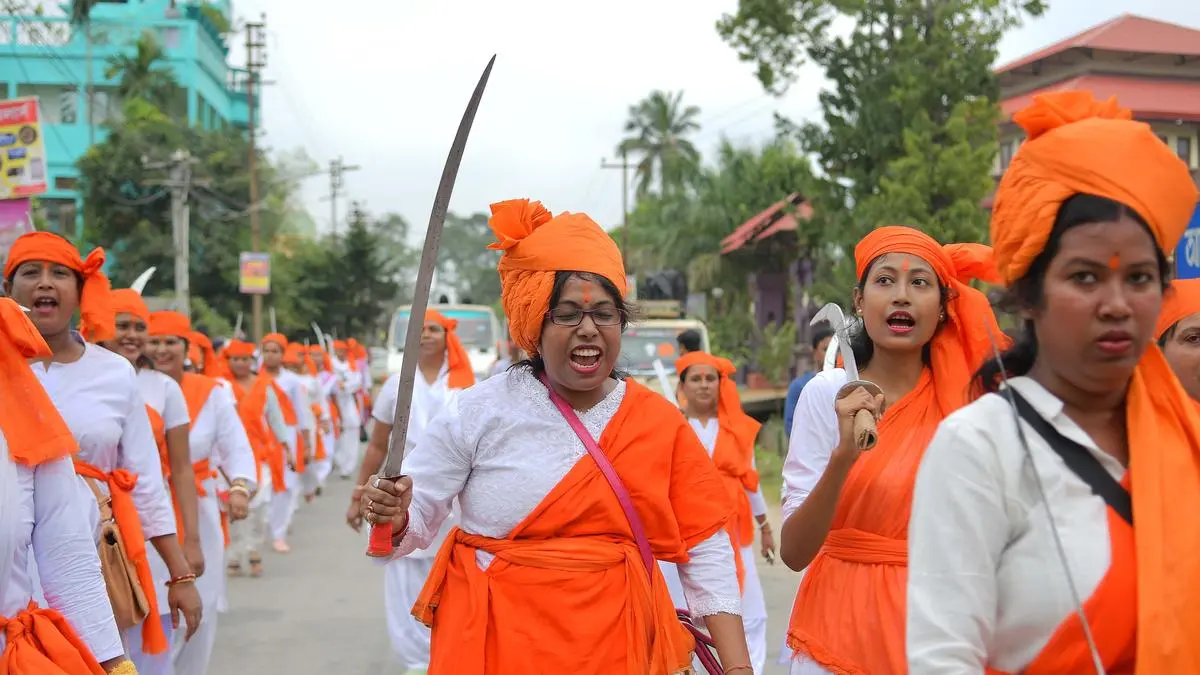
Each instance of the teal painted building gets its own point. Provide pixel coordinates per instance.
(45, 56)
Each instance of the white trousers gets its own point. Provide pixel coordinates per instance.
(192, 656)
(403, 580)
(345, 456)
(283, 505)
(149, 664)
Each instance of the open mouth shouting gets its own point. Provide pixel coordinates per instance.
(44, 306)
(585, 359)
(901, 322)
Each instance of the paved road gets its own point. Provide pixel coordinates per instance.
(318, 609)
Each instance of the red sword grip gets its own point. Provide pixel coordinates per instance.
(379, 545)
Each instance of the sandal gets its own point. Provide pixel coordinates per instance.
(256, 567)
(234, 569)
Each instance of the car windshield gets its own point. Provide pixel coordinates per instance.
(474, 328)
(640, 346)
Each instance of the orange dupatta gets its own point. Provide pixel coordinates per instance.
(576, 548)
(42, 642)
(32, 426)
(196, 391)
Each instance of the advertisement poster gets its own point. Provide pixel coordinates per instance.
(15, 221)
(255, 273)
(22, 152)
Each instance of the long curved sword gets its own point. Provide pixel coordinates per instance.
(380, 542)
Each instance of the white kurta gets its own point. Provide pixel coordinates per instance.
(40, 511)
(163, 394)
(217, 435)
(313, 470)
(346, 452)
(405, 577)
(500, 448)
(283, 504)
(986, 586)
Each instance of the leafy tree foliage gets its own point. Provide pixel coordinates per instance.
(658, 127)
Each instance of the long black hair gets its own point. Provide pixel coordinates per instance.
(537, 365)
(860, 340)
(1028, 292)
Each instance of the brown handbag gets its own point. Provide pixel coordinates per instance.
(125, 593)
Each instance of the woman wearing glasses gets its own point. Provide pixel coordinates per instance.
(548, 572)
(1020, 527)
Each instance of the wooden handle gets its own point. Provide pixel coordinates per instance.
(379, 543)
(864, 430)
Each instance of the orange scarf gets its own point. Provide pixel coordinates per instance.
(120, 484)
(96, 322)
(1079, 145)
(574, 556)
(1180, 302)
(196, 391)
(849, 613)
(42, 642)
(32, 426)
(461, 374)
(252, 408)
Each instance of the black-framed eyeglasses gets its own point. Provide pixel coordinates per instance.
(573, 316)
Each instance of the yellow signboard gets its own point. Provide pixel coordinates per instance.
(255, 273)
(22, 152)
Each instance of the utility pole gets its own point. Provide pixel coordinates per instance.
(180, 182)
(337, 169)
(256, 60)
(624, 166)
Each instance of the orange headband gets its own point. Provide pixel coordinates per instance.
(32, 426)
(461, 375)
(326, 362)
(212, 366)
(169, 323)
(1180, 302)
(340, 345)
(238, 349)
(96, 322)
(1078, 145)
(276, 338)
(129, 301)
(535, 246)
(294, 354)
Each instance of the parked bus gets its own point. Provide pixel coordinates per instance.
(478, 329)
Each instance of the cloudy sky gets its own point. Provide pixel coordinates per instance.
(383, 84)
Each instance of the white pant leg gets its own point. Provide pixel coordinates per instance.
(346, 457)
(403, 580)
(283, 506)
(754, 612)
(149, 664)
(192, 656)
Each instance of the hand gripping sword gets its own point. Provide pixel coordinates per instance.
(865, 435)
(380, 543)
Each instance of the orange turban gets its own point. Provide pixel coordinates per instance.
(32, 426)
(277, 339)
(294, 354)
(963, 343)
(1180, 302)
(309, 364)
(238, 349)
(461, 374)
(729, 404)
(129, 301)
(168, 323)
(326, 362)
(212, 366)
(535, 246)
(1078, 145)
(340, 345)
(95, 307)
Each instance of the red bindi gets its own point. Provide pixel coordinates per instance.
(1114, 263)
(587, 296)
(904, 265)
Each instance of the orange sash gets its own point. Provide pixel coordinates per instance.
(1109, 613)
(159, 427)
(574, 556)
(291, 419)
(252, 406)
(849, 613)
(319, 453)
(120, 488)
(42, 642)
(204, 471)
(196, 391)
(733, 460)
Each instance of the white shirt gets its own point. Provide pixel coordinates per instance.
(294, 388)
(707, 433)
(428, 399)
(44, 521)
(98, 396)
(986, 586)
(501, 447)
(348, 383)
(813, 438)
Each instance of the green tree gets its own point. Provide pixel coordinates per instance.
(143, 73)
(367, 276)
(908, 129)
(658, 127)
(465, 261)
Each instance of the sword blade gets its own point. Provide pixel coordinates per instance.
(420, 300)
(139, 284)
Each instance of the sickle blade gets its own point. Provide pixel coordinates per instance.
(380, 544)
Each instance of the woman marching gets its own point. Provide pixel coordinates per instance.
(74, 632)
(571, 483)
(218, 445)
(1022, 528)
(169, 420)
(923, 331)
(715, 413)
(301, 425)
(1178, 333)
(349, 381)
(262, 417)
(444, 371)
(321, 369)
(98, 396)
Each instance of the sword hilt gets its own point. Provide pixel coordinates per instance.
(379, 537)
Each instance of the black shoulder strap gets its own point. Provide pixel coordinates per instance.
(1080, 460)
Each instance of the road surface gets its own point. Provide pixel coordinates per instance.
(319, 609)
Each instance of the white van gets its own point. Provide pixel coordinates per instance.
(478, 329)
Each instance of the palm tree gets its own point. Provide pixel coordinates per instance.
(658, 127)
(138, 74)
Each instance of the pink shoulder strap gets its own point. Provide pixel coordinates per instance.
(606, 468)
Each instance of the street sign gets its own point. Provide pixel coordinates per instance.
(255, 273)
(1187, 255)
(22, 152)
